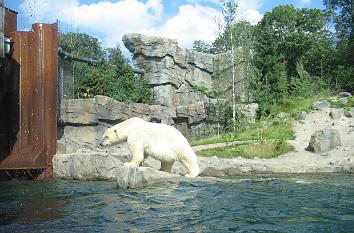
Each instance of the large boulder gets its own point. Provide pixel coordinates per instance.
(336, 114)
(194, 112)
(248, 112)
(132, 177)
(324, 140)
(86, 166)
(320, 105)
(345, 95)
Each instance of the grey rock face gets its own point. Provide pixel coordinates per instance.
(324, 140)
(320, 105)
(193, 112)
(130, 177)
(168, 67)
(86, 166)
(247, 111)
(84, 121)
(182, 70)
(336, 114)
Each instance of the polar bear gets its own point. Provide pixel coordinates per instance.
(160, 141)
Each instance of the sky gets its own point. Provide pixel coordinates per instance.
(109, 20)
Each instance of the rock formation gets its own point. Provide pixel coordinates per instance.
(324, 140)
(83, 121)
(181, 81)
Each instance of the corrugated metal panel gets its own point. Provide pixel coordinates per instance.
(33, 99)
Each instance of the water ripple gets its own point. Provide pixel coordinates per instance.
(233, 204)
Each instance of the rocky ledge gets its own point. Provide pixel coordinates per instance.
(333, 153)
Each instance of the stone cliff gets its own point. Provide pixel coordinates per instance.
(171, 71)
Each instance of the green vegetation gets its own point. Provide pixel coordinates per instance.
(113, 76)
(201, 89)
(295, 52)
(282, 131)
(346, 104)
(266, 149)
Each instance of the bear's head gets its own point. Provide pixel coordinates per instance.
(111, 137)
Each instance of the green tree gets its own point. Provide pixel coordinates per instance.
(203, 47)
(126, 86)
(285, 37)
(344, 24)
(112, 76)
(229, 11)
(287, 34)
(243, 36)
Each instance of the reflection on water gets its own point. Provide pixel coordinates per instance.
(234, 204)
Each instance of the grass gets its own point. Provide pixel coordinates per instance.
(266, 149)
(294, 105)
(212, 140)
(272, 143)
(283, 131)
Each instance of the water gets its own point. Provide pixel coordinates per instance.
(234, 204)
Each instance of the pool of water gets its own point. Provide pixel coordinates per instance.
(233, 204)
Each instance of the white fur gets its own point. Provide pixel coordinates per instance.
(160, 141)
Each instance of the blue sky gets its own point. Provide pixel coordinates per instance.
(184, 20)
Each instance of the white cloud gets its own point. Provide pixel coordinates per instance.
(248, 10)
(110, 20)
(193, 22)
(304, 2)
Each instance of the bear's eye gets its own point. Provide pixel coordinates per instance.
(115, 131)
(105, 136)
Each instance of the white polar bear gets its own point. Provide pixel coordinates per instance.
(160, 141)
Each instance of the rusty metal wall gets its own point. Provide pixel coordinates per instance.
(2, 19)
(32, 100)
(10, 23)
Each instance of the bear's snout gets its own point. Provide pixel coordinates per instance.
(103, 143)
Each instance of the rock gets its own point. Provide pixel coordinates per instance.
(324, 140)
(247, 112)
(130, 177)
(301, 115)
(320, 105)
(78, 111)
(86, 166)
(85, 120)
(176, 74)
(336, 114)
(149, 45)
(344, 95)
(164, 95)
(350, 113)
(193, 112)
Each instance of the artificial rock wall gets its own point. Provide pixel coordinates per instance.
(174, 74)
(170, 70)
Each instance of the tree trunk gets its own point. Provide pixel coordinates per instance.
(233, 85)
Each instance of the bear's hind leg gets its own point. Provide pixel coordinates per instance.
(166, 166)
